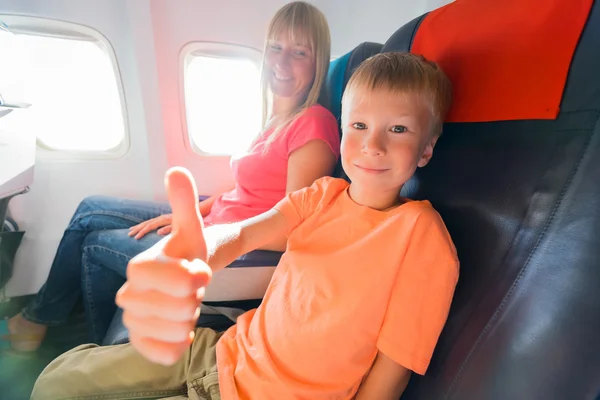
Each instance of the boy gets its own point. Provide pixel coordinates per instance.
(357, 302)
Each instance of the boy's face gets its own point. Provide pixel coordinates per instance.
(386, 136)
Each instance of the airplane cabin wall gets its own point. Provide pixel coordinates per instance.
(147, 37)
(60, 183)
(355, 21)
(177, 24)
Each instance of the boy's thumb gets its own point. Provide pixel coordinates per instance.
(187, 235)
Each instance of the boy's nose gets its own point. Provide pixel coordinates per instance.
(374, 144)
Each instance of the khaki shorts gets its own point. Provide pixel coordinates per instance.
(120, 372)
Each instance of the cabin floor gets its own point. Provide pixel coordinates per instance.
(18, 371)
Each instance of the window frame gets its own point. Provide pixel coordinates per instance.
(53, 28)
(208, 49)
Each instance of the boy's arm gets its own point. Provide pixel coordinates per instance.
(385, 381)
(268, 231)
(226, 243)
(165, 284)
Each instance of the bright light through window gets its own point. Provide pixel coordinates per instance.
(73, 90)
(223, 106)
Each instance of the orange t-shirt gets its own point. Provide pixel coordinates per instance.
(352, 281)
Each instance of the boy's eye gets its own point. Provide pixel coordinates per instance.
(399, 129)
(300, 54)
(275, 47)
(359, 125)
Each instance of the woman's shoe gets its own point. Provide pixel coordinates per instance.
(22, 335)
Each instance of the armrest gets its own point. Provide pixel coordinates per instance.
(246, 278)
(118, 334)
(239, 286)
(257, 258)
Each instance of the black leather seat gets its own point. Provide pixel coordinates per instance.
(521, 200)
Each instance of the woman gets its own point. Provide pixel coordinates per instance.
(298, 144)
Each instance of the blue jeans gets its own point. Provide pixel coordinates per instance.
(91, 261)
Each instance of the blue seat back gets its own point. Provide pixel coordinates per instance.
(339, 73)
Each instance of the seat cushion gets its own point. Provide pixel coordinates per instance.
(117, 332)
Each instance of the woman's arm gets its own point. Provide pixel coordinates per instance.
(306, 164)
(206, 204)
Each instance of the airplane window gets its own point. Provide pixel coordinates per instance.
(222, 103)
(73, 89)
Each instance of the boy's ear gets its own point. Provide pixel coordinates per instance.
(427, 152)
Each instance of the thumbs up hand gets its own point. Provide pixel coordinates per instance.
(165, 284)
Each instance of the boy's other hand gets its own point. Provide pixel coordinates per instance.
(165, 284)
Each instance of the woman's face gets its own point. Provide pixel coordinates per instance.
(289, 67)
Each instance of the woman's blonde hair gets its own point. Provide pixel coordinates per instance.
(297, 19)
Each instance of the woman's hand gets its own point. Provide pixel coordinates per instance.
(162, 223)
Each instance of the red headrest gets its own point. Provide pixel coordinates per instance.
(507, 59)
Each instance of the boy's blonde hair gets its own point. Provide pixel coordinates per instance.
(299, 20)
(409, 74)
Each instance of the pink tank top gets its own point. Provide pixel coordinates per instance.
(261, 177)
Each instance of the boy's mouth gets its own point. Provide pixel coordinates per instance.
(371, 170)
